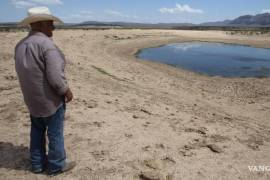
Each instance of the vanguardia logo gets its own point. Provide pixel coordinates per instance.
(259, 168)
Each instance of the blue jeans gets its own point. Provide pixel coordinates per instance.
(54, 125)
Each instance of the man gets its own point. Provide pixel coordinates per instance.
(40, 68)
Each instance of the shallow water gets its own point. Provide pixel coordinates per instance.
(214, 59)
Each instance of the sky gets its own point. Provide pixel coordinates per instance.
(142, 11)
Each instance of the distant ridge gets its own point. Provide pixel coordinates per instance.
(131, 24)
(259, 19)
(246, 20)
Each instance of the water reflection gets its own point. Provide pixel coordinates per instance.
(184, 46)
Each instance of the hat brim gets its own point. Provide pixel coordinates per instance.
(37, 18)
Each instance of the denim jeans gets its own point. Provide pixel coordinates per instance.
(54, 126)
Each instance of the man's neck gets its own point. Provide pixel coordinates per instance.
(34, 32)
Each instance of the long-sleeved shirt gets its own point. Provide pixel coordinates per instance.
(40, 68)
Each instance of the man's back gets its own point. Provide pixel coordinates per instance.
(40, 68)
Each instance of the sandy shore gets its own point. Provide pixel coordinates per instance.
(133, 119)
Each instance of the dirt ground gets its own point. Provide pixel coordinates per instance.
(135, 119)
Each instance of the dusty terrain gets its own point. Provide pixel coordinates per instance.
(133, 119)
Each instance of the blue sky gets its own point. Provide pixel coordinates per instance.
(150, 11)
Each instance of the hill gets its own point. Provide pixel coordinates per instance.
(246, 20)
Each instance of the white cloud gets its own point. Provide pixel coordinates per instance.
(80, 16)
(31, 3)
(266, 11)
(180, 9)
(118, 14)
(115, 13)
(22, 4)
(47, 2)
(105, 15)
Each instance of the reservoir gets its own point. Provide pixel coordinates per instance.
(213, 59)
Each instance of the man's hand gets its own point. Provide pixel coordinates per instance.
(68, 96)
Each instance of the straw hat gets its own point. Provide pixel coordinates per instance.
(37, 14)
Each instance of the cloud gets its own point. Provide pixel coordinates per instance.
(266, 11)
(105, 15)
(80, 16)
(115, 13)
(22, 4)
(31, 3)
(180, 9)
(120, 14)
(47, 2)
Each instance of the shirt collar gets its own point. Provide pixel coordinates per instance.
(37, 33)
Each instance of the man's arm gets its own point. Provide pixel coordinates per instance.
(55, 65)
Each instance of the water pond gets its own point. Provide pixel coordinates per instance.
(213, 59)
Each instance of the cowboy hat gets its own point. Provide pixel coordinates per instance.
(37, 14)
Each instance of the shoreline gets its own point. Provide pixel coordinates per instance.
(136, 54)
(161, 43)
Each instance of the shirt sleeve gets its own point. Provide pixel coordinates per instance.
(55, 67)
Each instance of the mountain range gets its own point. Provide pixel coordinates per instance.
(246, 20)
(259, 20)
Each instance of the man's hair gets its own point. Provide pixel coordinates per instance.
(38, 25)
